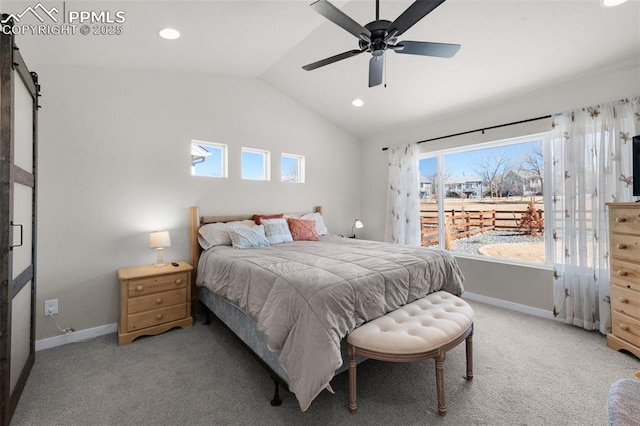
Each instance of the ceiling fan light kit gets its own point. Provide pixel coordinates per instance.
(380, 35)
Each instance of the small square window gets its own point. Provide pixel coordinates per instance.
(292, 168)
(255, 164)
(208, 159)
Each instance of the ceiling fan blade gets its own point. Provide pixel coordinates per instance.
(426, 48)
(375, 70)
(331, 60)
(413, 14)
(338, 17)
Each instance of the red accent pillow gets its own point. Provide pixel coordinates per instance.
(303, 230)
(258, 217)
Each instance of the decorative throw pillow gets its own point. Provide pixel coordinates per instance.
(303, 230)
(217, 234)
(258, 217)
(277, 231)
(321, 228)
(244, 238)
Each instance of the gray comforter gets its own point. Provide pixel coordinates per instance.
(307, 295)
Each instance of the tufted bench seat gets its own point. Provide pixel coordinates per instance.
(426, 328)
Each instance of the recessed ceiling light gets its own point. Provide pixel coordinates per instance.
(357, 103)
(611, 3)
(169, 33)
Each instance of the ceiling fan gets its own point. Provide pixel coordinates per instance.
(380, 35)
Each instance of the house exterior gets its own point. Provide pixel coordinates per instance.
(464, 186)
(521, 182)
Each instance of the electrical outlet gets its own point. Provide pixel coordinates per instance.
(50, 307)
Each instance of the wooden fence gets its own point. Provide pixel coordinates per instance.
(461, 224)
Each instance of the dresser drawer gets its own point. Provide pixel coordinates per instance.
(156, 300)
(142, 286)
(625, 247)
(625, 274)
(625, 301)
(626, 220)
(626, 328)
(156, 317)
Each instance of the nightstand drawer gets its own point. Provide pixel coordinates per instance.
(156, 317)
(140, 287)
(156, 301)
(625, 301)
(626, 328)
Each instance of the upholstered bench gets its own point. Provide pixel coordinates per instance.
(426, 328)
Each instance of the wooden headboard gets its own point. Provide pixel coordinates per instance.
(196, 221)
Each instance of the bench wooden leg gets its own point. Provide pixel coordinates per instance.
(353, 404)
(469, 345)
(442, 408)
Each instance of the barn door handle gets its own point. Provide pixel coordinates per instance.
(17, 245)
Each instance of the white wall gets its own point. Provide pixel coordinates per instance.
(517, 284)
(114, 156)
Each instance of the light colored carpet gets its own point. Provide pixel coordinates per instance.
(527, 371)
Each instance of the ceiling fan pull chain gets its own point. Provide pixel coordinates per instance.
(385, 70)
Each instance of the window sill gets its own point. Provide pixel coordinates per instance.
(511, 262)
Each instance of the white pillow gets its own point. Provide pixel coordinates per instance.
(277, 231)
(321, 228)
(217, 234)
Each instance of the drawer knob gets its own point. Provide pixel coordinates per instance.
(622, 246)
(622, 273)
(623, 300)
(140, 288)
(621, 219)
(159, 316)
(624, 327)
(178, 281)
(158, 300)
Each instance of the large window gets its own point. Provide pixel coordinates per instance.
(255, 164)
(486, 201)
(208, 159)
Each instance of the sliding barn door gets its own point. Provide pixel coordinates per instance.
(18, 142)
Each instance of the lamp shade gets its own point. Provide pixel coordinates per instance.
(358, 224)
(159, 239)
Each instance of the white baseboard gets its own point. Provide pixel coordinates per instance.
(91, 333)
(509, 305)
(76, 336)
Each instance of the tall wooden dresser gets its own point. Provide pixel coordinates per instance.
(624, 240)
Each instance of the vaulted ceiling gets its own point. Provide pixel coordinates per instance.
(508, 47)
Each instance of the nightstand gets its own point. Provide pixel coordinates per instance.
(153, 299)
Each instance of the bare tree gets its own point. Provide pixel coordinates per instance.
(291, 175)
(492, 169)
(534, 162)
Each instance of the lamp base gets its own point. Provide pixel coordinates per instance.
(160, 258)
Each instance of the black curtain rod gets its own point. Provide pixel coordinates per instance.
(480, 130)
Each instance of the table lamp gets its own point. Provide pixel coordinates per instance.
(159, 240)
(357, 224)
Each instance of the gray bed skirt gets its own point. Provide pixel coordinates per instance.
(246, 329)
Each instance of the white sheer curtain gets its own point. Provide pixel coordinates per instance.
(403, 199)
(591, 166)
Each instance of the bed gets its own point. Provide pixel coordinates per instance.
(293, 303)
